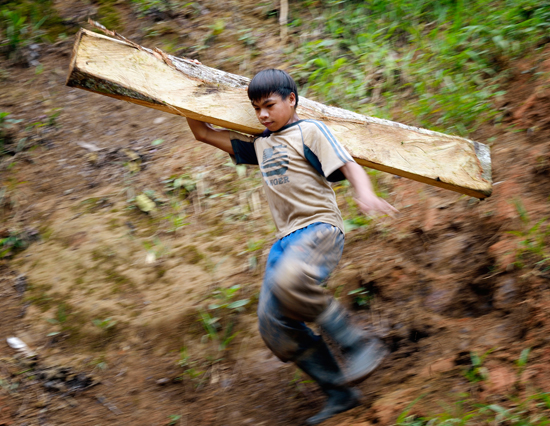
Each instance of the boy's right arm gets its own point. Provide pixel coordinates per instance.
(204, 132)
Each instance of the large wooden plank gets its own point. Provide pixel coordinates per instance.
(125, 70)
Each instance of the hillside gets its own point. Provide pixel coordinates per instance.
(149, 318)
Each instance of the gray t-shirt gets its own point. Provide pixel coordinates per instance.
(297, 162)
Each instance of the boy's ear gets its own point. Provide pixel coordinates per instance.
(292, 99)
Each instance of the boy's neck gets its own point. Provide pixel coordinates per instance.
(293, 119)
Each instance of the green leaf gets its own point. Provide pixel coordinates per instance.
(524, 356)
(476, 361)
(238, 304)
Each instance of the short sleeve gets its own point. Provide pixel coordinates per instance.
(243, 147)
(322, 147)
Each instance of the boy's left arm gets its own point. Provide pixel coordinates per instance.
(365, 196)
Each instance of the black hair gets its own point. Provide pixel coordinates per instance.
(270, 81)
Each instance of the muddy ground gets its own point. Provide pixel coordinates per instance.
(117, 303)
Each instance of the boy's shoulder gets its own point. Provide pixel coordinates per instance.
(315, 128)
(307, 128)
(315, 132)
(302, 126)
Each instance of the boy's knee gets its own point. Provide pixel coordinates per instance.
(290, 273)
(297, 288)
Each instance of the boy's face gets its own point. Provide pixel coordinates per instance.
(275, 112)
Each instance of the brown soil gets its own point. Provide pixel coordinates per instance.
(113, 294)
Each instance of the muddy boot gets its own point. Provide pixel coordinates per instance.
(321, 366)
(363, 354)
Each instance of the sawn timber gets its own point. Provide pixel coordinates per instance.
(121, 69)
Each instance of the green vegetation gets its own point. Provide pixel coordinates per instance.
(108, 15)
(104, 324)
(534, 239)
(516, 409)
(168, 7)
(225, 296)
(361, 297)
(174, 419)
(477, 372)
(25, 22)
(469, 412)
(220, 321)
(190, 367)
(445, 60)
(521, 363)
(214, 331)
(12, 244)
(180, 185)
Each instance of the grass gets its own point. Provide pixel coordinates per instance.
(533, 240)
(25, 22)
(522, 413)
(477, 372)
(220, 319)
(446, 59)
(13, 244)
(516, 409)
(108, 15)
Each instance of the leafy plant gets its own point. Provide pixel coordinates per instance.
(12, 244)
(174, 418)
(225, 297)
(544, 398)
(514, 416)
(477, 373)
(248, 38)
(104, 324)
(219, 325)
(446, 60)
(356, 223)
(522, 360)
(19, 32)
(177, 222)
(211, 325)
(404, 418)
(171, 7)
(534, 239)
(189, 366)
(361, 297)
(180, 185)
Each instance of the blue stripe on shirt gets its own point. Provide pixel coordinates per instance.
(340, 152)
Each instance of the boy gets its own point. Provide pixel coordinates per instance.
(297, 158)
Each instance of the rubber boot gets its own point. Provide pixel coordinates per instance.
(363, 354)
(319, 363)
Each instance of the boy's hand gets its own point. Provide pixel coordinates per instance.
(366, 199)
(374, 205)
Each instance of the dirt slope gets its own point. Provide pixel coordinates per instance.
(116, 301)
